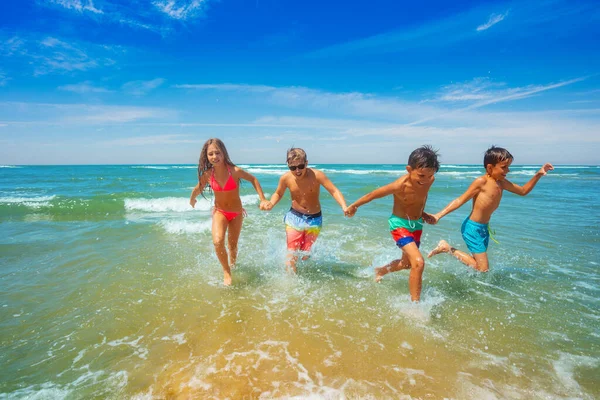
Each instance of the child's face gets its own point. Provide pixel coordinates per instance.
(421, 176)
(214, 154)
(294, 166)
(499, 171)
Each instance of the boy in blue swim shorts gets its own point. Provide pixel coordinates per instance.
(406, 222)
(486, 192)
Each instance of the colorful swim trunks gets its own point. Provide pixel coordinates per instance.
(405, 231)
(475, 235)
(302, 229)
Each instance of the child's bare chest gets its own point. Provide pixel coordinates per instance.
(306, 188)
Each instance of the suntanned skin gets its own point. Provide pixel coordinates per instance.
(227, 201)
(410, 195)
(304, 186)
(486, 192)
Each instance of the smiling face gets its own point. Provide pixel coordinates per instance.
(421, 176)
(214, 154)
(294, 166)
(499, 171)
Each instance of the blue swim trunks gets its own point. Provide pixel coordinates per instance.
(475, 235)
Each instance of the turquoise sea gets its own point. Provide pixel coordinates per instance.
(110, 288)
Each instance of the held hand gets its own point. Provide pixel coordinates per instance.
(547, 167)
(265, 205)
(429, 218)
(350, 211)
(193, 202)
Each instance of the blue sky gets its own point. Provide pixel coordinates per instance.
(128, 82)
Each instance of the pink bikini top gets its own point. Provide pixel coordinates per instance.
(229, 185)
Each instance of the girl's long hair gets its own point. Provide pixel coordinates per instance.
(204, 165)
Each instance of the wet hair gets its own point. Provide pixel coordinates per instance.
(424, 157)
(494, 155)
(295, 153)
(204, 165)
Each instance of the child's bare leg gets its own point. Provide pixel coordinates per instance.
(219, 227)
(233, 236)
(481, 262)
(392, 266)
(291, 261)
(477, 261)
(417, 265)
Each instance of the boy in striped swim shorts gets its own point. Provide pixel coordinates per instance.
(304, 220)
(486, 192)
(406, 222)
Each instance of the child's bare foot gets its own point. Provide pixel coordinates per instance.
(227, 279)
(442, 247)
(379, 273)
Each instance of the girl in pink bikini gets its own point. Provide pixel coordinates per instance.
(216, 171)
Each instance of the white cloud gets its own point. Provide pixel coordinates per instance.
(228, 87)
(180, 10)
(12, 46)
(23, 113)
(475, 91)
(3, 79)
(493, 20)
(49, 55)
(152, 140)
(78, 5)
(84, 87)
(140, 88)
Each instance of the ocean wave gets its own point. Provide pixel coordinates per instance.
(185, 227)
(31, 202)
(10, 166)
(178, 204)
(166, 204)
(149, 167)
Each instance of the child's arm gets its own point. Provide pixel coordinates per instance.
(528, 187)
(275, 197)
(455, 204)
(334, 191)
(197, 190)
(375, 194)
(252, 179)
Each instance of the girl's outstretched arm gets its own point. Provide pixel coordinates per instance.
(252, 179)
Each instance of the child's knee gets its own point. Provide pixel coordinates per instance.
(417, 264)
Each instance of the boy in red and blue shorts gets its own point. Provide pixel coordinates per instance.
(406, 222)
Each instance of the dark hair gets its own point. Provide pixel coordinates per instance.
(205, 165)
(494, 155)
(424, 157)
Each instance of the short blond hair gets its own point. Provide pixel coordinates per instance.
(296, 153)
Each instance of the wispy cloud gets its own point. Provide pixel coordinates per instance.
(228, 87)
(84, 87)
(493, 20)
(3, 78)
(60, 56)
(476, 89)
(493, 97)
(75, 114)
(141, 88)
(11, 46)
(152, 140)
(48, 55)
(77, 5)
(180, 10)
